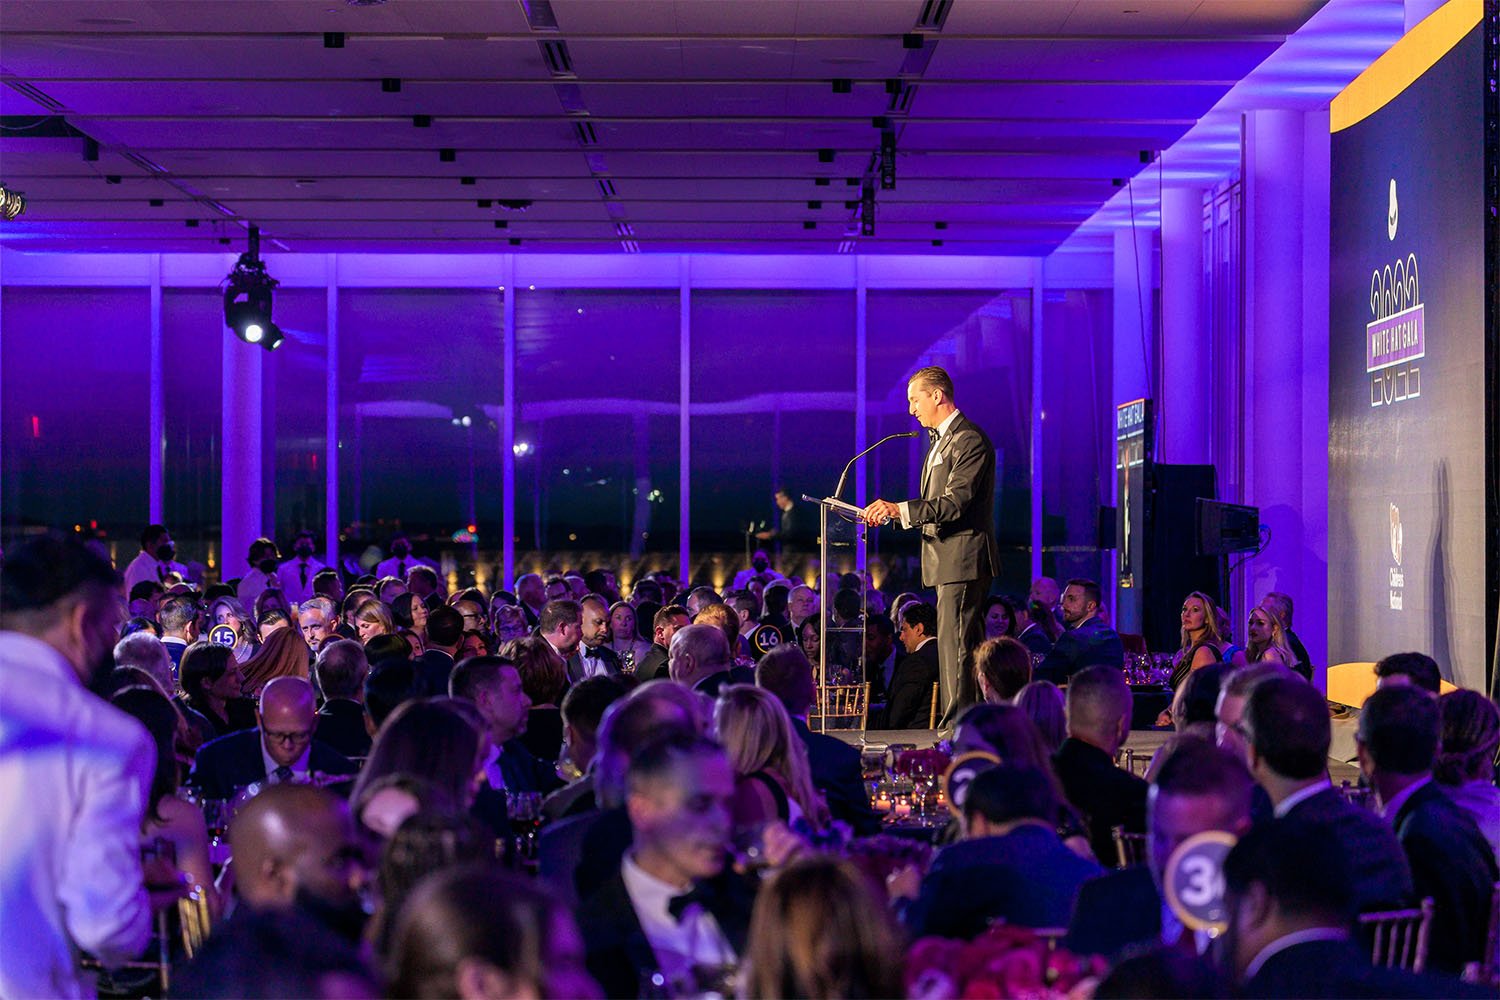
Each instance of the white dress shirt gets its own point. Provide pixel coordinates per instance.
(299, 766)
(146, 566)
(931, 460)
(679, 945)
(291, 574)
(1391, 808)
(73, 788)
(252, 585)
(1301, 795)
(1291, 940)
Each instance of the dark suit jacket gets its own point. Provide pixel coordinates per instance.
(1382, 877)
(910, 704)
(1343, 969)
(1451, 862)
(1106, 796)
(615, 947)
(341, 725)
(175, 651)
(1116, 911)
(234, 761)
(570, 800)
(1091, 644)
(523, 772)
(836, 772)
(544, 733)
(712, 684)
(575, 663)
(653, 664)
(434, 666)
(1035, 640)
(956, 511)
(1027, 877)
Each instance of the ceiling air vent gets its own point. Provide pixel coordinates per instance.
(559, 63)
(934, 15)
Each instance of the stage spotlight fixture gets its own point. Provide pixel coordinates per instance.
(867, 213)
(247, 299)
(12, 202)
(887, 161)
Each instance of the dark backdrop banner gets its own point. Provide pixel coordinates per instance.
(1406, 479)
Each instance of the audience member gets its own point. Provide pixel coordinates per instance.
(1399, 730)
(282, 654)
(1087, 642)
(389, 684)
(999, 617)
(318, 620)
(700, 659)
(910, 705)
(1011, 865)
(665, 623)
(582, 711)
(1417, 669)
(881, 657)
(674, 915)
(409, 613)
(229, 611)
(1280, 605)
(1465, 764)
(1201, 643)
(1042, 702)
(154, 563)
(1229, 710)
(263, 560)
(593, 656)
(1287, 734)
(544, 679)
(1003, 667)
(427, 740)
(339, 677)
(819, 931)
(271, 955)
(1098, 712)
(834, 764)
(444, 636)
(1265, 641)
(212, 683)
(773, 781)
(494, 686)
(280, 750)
(77, 771)
(178, 618)
(146, 653)
(625, 639)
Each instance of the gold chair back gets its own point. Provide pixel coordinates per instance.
(1398, 938)
(842, 706)
(1130, 848)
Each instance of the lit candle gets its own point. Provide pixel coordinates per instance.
(903, 809)
(883, 804)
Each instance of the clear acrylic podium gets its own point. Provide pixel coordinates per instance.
(843, 695)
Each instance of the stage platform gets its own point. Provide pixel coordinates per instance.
(1142, 741)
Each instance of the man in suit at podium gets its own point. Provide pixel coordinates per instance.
(959, 557)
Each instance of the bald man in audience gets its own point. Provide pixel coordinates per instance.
(295, 846)
(1098, 713)
(280, 750)
(700, 659)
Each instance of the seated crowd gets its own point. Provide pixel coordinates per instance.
(373, 787)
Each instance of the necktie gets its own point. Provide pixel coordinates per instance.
(401, 569)
(302, 568)
(282, 774)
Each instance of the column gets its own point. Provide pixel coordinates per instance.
(508, 426)
(242, 489)
(684, 418)
(1186, 369)
(1286, 360)
(331, 420)
(156, 487)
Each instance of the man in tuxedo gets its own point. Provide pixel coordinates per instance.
(582, 710)
(339, 675)
(297, 573)
(700, 659)
(561, 624)
(1198, 787)
(1011, 865)
(593, 658)
(910, 702)
(1098, 710)
(1286, 733)
(445, 633)
(318, 619)
(956, 516)
(836, 770)
(280, 750)
(1030, 633)
(178, 619)
(664, 625)
(1289, 897)
(1399, 731)
(674, 914)
(1087, 642)
(880, 657)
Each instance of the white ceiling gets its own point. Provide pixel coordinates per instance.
(678, 124)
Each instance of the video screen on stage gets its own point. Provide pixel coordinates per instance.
(1407, 538)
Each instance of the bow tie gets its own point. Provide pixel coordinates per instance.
(932, 435)
(591, 652)
(700, 895)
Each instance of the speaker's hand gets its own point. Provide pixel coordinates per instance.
(881, 512)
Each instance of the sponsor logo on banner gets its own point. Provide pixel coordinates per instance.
(1397, 578)
(1396, 336)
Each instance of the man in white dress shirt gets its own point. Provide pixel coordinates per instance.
(155, 560)
(264, 560)
(297, 573)
(74, 779)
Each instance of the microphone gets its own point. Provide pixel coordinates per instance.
(844, 476)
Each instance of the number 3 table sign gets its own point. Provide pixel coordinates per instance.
(1194, 881)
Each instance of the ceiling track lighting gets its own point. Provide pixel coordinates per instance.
(248, 292)
(12, 202)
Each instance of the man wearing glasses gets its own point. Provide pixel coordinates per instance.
(280, 750)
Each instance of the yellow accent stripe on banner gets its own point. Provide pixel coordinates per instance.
(1400, 65)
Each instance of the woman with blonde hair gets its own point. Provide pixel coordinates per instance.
(229, 611)
(283, 654)
(1265, 640)
(1202, 642)
(371, 619)
(818, 930)
(772, 777)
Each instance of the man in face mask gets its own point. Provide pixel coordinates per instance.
(80, 771)
(156, 560)
(401, 561)
(298, 572)
(264, 561)
(759, 569)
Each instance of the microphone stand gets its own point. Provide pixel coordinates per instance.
(844, 476)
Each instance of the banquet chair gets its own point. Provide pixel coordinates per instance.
(1130, 848)
(1398, 938)
(1487, 971)
(932, 709)
(842, 706)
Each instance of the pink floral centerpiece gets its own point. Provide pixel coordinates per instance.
(1003, 962)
